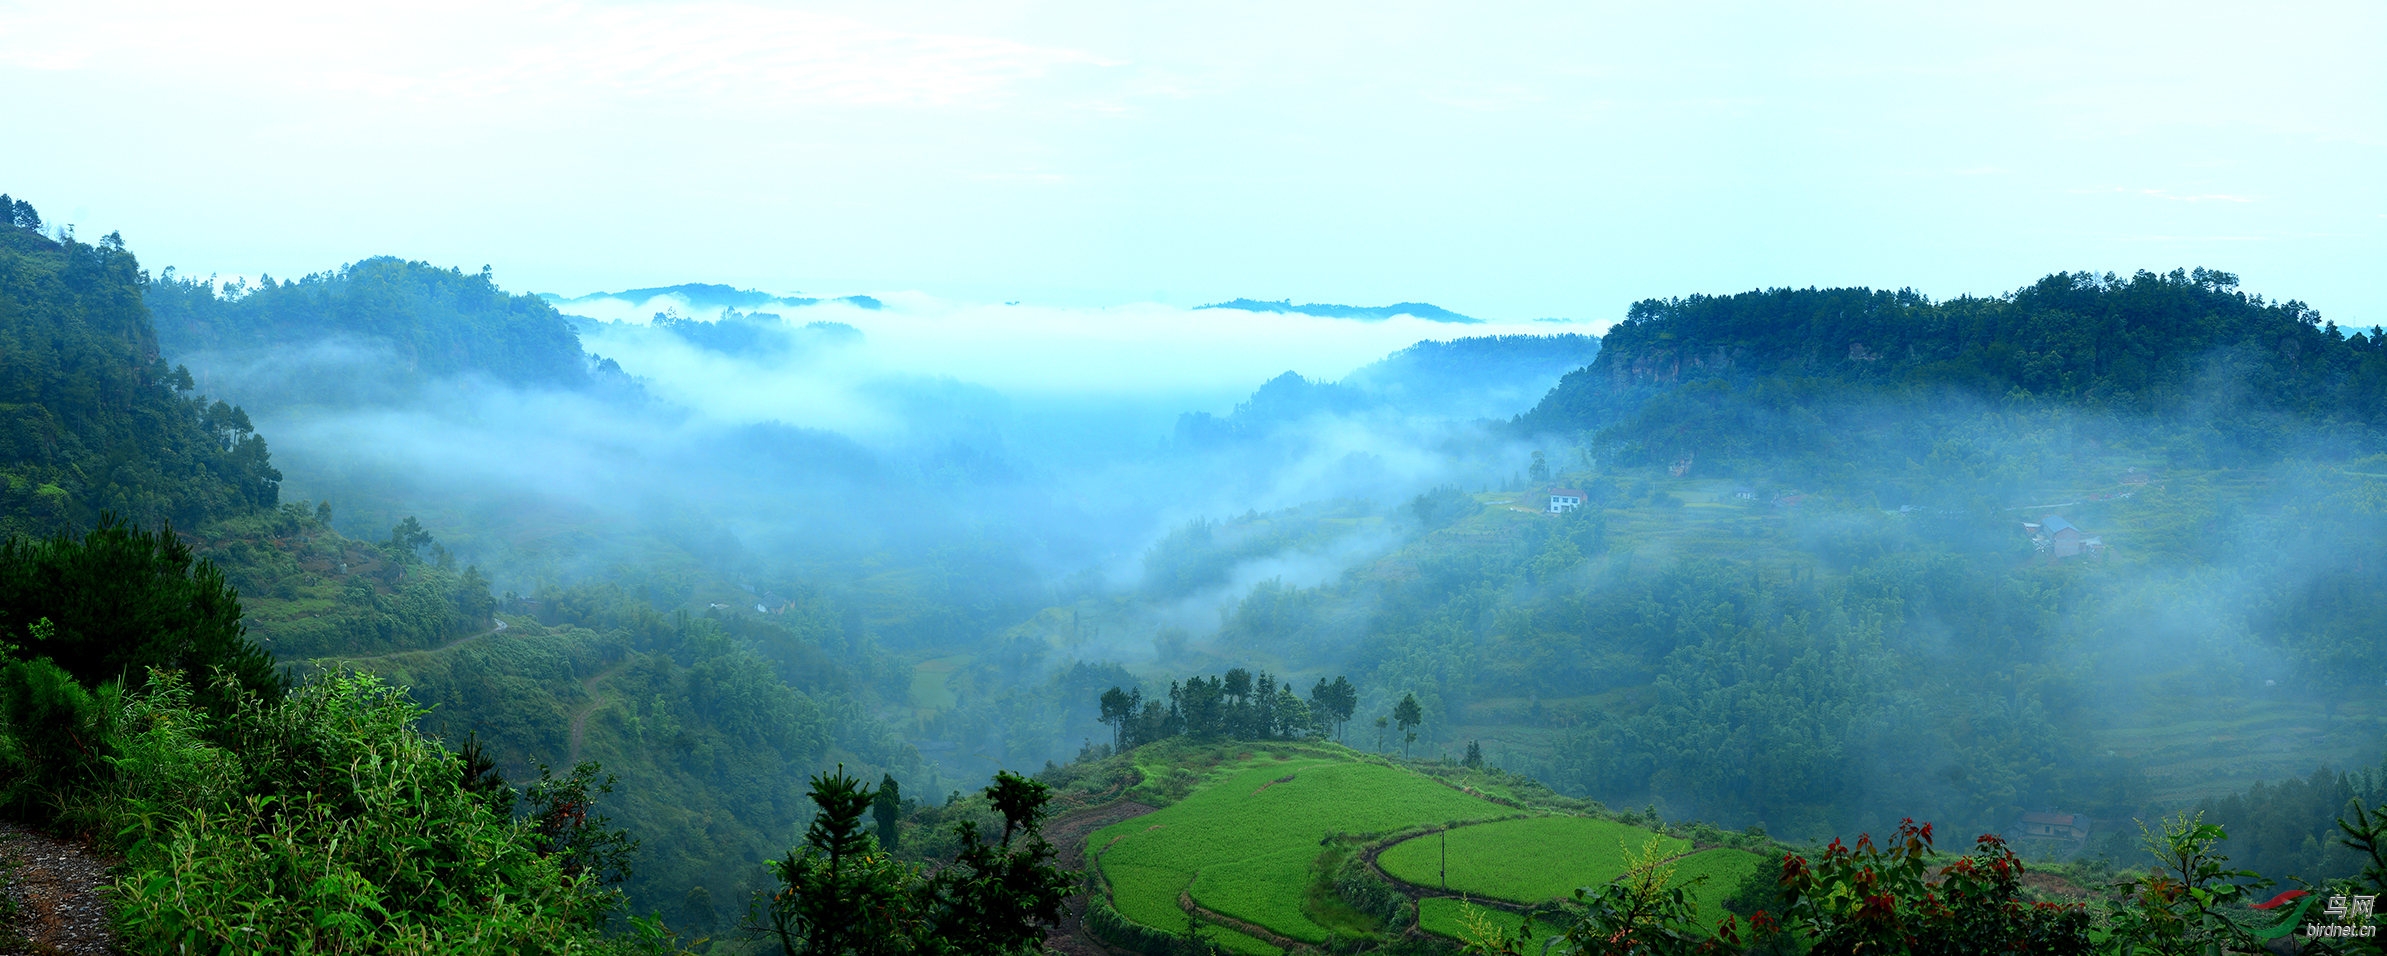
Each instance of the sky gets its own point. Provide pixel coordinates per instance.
(1514, 162)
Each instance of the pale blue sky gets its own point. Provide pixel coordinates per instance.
(1531, 160)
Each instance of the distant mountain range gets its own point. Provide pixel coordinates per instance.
(1364, 313)
(706, 295)
(1482, 377)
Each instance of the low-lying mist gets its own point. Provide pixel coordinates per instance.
(1012, 449)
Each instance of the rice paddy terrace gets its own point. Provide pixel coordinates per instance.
(1274, 848)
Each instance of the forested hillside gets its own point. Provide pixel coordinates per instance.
(91, 419)
(407, 322)
(1812, 581)
(708, 726)
(1467, 378)
(1788, 374)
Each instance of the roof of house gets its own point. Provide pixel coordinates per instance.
(2053, 524)
(2056, 819)
(1565, 493)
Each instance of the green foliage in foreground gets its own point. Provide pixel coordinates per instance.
(119, 601)
(320, 822)
(324, 823)
(1523, 861)
(711, 738)
(840, 894)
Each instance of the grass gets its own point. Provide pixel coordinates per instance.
(1148, 895)
(1236, 942)
(1328, 908)
(1254, 889)
(1446, 916)
(932, 684)
(1725, 870)
(1523, 861)
(1259, 824)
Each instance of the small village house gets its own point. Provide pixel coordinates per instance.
(2055, 537)
(1563, 500)
(2062, 826)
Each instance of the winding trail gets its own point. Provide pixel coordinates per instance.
(1068, 833)
(451, 645)
(56, 886)
(580, 717)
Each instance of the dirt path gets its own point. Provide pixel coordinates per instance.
(1254, 930)
(1068, 833)
(451, 645)
(580, 717)
(55, 886)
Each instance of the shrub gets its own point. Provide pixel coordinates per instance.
(323, 823)
(55, 738)
(121, 602)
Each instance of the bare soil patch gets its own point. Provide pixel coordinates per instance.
(58, 887)
(1068, 834)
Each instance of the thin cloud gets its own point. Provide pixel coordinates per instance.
(747, 52)
(2165, 194)
(1144, 349)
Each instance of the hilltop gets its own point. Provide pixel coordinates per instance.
(1780, 373)
(380, 325)
(92, 418)
(1364, 313)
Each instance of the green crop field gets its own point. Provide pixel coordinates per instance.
(1524, 861)
(1445, 916)
(1724, 869)
(1256, 889)
(1235, 942)
(1148, 895)
(1259, 822)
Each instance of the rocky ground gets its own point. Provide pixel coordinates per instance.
(55, 888)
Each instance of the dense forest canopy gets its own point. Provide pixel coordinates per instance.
(1739, 376)
(419, 322)
(91, 419)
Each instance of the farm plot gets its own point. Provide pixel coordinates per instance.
(1523, 861)
(1725, 869)
(1255, 889)
(1262, 826)
(1149, 896)
(1446, 916)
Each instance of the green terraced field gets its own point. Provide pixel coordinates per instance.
(1724, 869)
(1148, 895)
(1524, 861)
(1254, 889)
(1261, 830)
(1441, 915)
(1235, 942)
